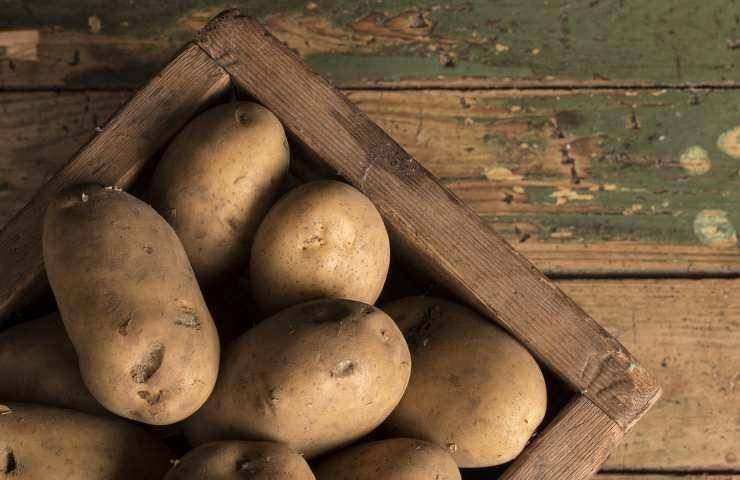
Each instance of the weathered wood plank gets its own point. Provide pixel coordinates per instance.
(113, 157)
(40, 132)
(649, 165)
(572, 446)
(583, 233)
(424, 220)
(477, 42)
(688, 333)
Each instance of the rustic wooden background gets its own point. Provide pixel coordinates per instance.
(601, 137)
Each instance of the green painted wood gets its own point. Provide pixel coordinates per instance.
(99, 44)
(564, 175)
(658, 166)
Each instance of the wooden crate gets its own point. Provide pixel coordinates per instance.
(429, 226)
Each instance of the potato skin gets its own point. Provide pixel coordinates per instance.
(315, 376)
(474, 389)
(322, 239)
(216, 181)
(394, 459)
(39, 365)
(147, 346)
(236, 460)
(47, 443)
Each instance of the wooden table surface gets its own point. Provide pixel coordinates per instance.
(601, 137)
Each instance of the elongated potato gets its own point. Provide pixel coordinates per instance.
(474, 389)
(323, 239)
(394, 459)
(234, 460)
(216, 181)
(39, 365)
(315, 376)
(147, 347)
(47, 443)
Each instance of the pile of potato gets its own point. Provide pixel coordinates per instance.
(416, 389)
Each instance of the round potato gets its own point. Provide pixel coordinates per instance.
(47, 443)
(216, 181)
(147, 346)
(323, 239)
(394, 459)
(315, 376)
(235, 460)
(474, 389)
(39, 365)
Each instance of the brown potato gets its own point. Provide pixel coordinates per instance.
(394, 459)
(315, 376)
(47, 443)
(39, 365)
(474, 389)
(147, 346)
(323, 239)
(216, 181)
(235, 460)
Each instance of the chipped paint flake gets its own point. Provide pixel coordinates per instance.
(695, 160)
(565, 195)
(729, 142)
(713, 228)
(501, 48)
(562, 233)
(94, 24)
(633, 209)
(500, 174)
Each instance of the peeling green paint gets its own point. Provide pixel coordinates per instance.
(635, 186)
(672, 42)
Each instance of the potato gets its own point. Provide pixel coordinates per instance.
(474, 389)
(315, 376)
(147, 347)
(47, 443)
(216, 181)
(322, 239)
(234, 460)
(39, 365)
(394, 459)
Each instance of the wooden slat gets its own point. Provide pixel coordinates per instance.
(113, 157)
(688, 333)
(42, 130)
(573, 445)
(427, 220)
(482, 43)
(581, 165)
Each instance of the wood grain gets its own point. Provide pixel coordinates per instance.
(421, 43)
(580, 165)
(40, 132)
(586, 234)
(688, 333)
(113, 157)
(573, 446)
(426, 219)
